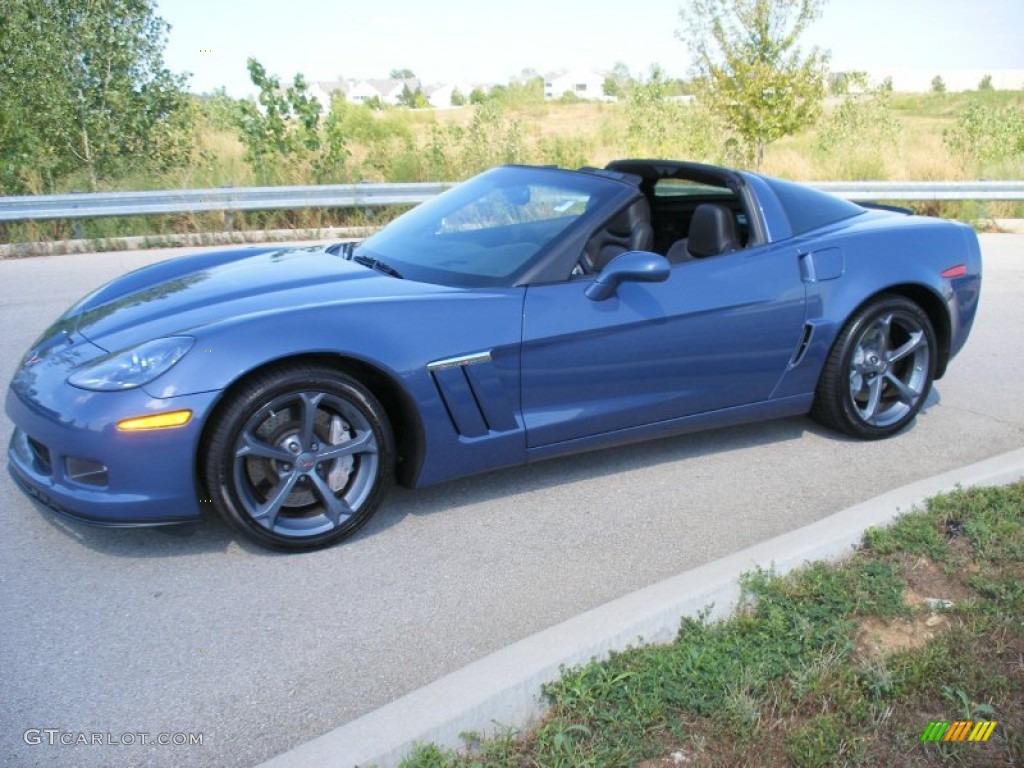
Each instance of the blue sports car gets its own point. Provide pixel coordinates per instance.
(529, 312)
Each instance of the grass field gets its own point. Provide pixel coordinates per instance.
(600, 131)
(902, 138)
(831, 665)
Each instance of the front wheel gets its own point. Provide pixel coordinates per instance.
(299, 458)
(879, 371)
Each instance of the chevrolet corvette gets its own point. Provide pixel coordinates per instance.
(527, 313)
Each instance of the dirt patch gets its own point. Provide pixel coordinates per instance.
(927, 588)
(881, 638)
(925, 580)
(711, 746)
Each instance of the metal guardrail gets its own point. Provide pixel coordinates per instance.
(228, 199)
(913, 191)
(99, 204)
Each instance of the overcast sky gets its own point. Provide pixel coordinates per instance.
(477, 41)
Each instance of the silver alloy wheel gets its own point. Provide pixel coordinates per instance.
(305, 463)
(889, 369)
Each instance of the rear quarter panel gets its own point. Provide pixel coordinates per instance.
(883, 252)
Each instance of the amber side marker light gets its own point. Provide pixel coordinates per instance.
(958, 271)
(156, 421)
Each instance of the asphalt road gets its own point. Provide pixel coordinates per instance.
(121, 633)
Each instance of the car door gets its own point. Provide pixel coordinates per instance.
(718, 333)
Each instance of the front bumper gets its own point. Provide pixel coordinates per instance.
(138, 478)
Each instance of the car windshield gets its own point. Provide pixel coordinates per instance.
(488, 230)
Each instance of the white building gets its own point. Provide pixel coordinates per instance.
(359, 91)
(583, 83)
(388, 90)
(323, 90)
(440, 94)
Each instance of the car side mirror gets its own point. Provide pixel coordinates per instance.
(631, 266)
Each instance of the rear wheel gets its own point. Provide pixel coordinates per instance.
(879, 371)
(299, 458)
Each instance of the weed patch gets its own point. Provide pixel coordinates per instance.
(828, 665)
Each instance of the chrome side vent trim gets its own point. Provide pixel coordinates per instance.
(473, 394)
(455, 362)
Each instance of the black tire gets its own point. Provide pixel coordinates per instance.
(299, 458)
(880, 370)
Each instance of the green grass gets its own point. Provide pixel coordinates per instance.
(827, 665)
(403, 145)
(949, 105)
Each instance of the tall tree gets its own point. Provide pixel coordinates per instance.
(85, 90)
(750, 69)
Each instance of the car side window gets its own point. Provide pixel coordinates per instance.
(688, 189)
(695, 220)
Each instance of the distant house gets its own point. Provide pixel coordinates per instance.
(440, 95)
(583, 83)
(390, 89)
(359, 91)
(323, 91)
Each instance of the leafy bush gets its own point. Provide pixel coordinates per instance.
(563, 151)
(217, 110)
(661, 126)
(413, 99)
(284, 138)
(523, 94)
(984, 133)
(860, 130)
(456, 152)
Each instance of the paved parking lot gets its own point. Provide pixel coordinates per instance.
(144, 632)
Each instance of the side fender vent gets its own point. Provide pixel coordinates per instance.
(801, 348)
(473, 395)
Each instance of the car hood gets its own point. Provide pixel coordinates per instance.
(187, 293)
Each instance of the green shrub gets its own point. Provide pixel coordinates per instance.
(860, 131)
(985, 133)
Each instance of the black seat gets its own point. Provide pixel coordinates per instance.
(629, 231)
(712, 232)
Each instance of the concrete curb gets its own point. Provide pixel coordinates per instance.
(504, 687)
(1009, 226)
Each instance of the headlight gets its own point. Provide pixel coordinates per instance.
(133, 367)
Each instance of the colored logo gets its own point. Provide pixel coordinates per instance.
(959, 730)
